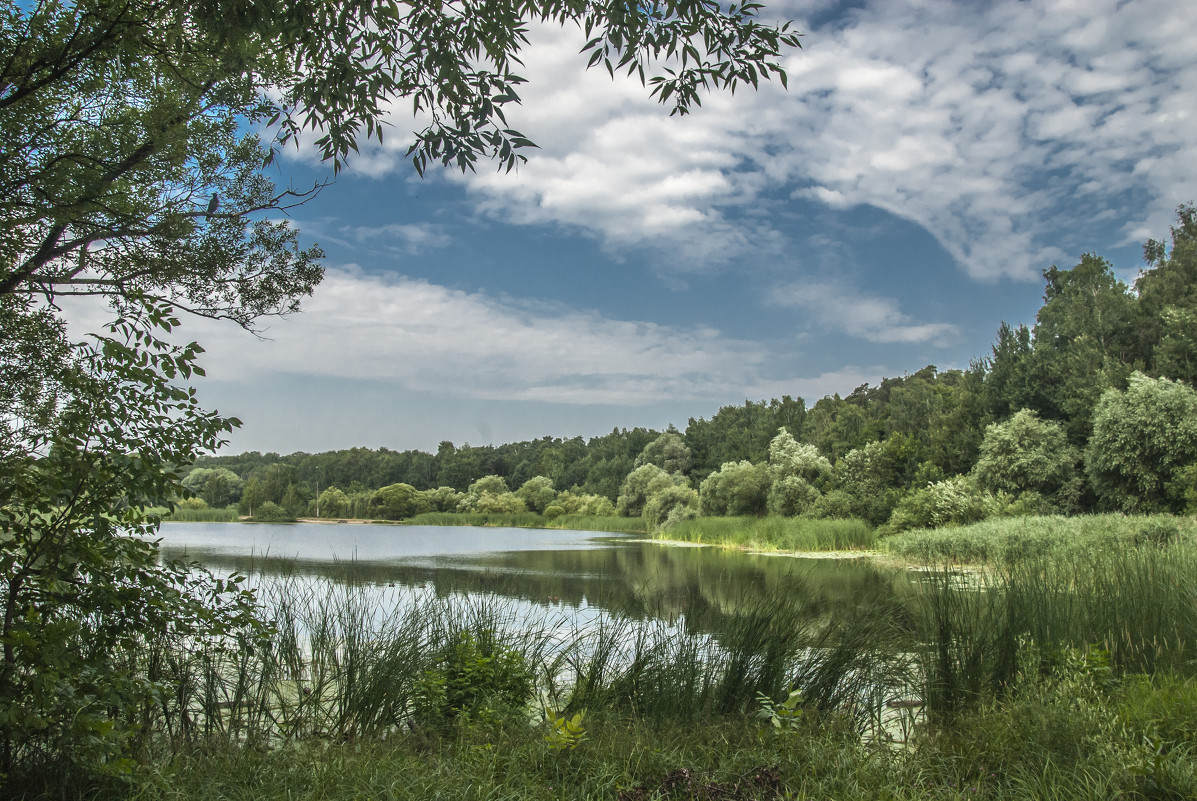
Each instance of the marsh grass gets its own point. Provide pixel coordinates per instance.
(1012, 538)
(617, 525)
(775, 533)
(183, 515)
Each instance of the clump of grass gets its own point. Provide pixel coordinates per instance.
(1004, 539)
(181, 514)
(775, 533)
(622, 525)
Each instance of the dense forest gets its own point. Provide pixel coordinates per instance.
(1090, 409)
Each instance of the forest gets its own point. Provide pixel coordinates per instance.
(1090, 409)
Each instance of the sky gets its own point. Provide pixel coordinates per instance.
(888, 211)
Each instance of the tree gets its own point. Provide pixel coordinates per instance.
(736, 488)
(668, 452)
(397, 501)
(537, 493)
(640, 484)
(83, 603)
(1027, 454)
(125, 173)
(1168, 300)
(1143, 441)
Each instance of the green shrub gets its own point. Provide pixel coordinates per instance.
(553, 512)
(271, 512)
(475, 677)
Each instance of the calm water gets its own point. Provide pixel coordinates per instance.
(570, 571)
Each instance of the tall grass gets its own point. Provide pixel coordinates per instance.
(1133, 606)
(208, 515)
(1005, 539)
(775, 533)
(620, 525)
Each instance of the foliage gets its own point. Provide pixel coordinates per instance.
(1143, 439)
(566, 733)
(952, 502)
(737, 488)
(473, 676)
(666, 504)
(81, 584)
(1026, 454)
(271, 512)
(397, 502)
(668, 452)
(537, 493)
(640, 485)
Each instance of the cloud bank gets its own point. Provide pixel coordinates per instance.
(1013, 132)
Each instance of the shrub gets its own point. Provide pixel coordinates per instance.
(663, 502)
(1143, 439)
(954, 501)
(1026, 454)
(474, 676)
(271, 512)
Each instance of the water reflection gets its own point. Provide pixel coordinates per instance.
(541, 569)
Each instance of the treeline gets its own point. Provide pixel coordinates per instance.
(1091, 408)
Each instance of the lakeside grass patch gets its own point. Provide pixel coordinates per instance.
(1005, 539)
(774, 533)
(206, 515)
(615, 525)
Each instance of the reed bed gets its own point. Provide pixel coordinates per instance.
(775, 533)
(616, 525)
(1013, 538)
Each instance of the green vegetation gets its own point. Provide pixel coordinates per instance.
(775, 533)
(1001, 540)
(1069, 676)
(1090, 410)
(617, 525)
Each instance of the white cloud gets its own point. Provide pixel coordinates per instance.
(875, 319)
(426, 337)
(1005, 129)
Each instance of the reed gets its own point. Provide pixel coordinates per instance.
(1011, 538)
(775, 533)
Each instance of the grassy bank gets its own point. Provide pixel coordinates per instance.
(1004, 539)
(774, 533)
(1061, 738)
(616, 525)
(207, 515)
(1061, 675)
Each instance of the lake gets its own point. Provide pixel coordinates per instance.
(576, 572)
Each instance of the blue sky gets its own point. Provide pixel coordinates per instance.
(886, 212)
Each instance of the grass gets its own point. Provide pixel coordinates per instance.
(1059, 673)
(227, 515)
(1004, 539)
(775, 533)
(620, 525)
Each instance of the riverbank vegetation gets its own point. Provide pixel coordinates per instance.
(1090, 410)
(1063, 677)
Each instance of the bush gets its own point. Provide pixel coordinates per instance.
(474, 676)
(952, 502)
(1026, 454)
(662, 503)
(553, 512)
(271, 512)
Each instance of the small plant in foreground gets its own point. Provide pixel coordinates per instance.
(565, 733)
(784, 716)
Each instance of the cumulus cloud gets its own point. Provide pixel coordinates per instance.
(1014, 132)
(876, 319)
